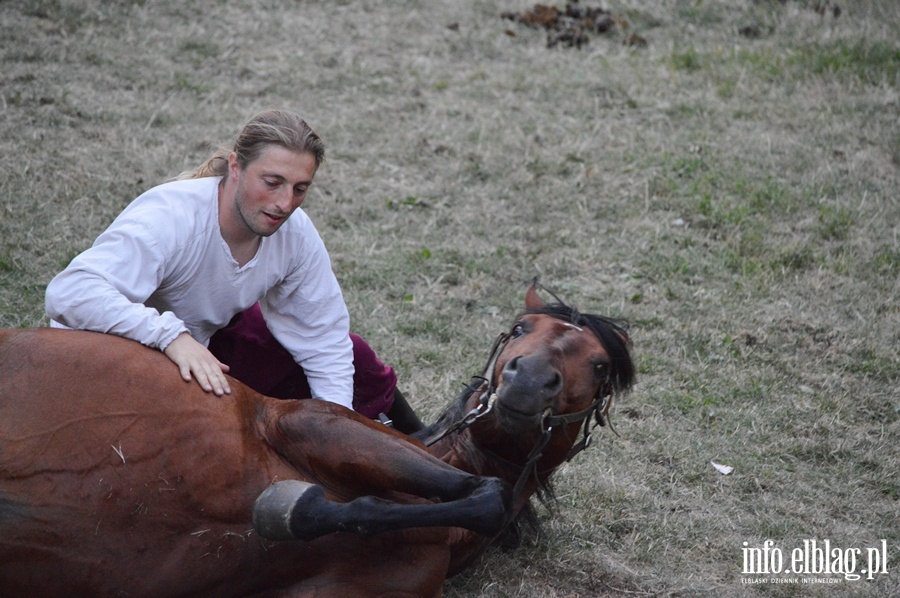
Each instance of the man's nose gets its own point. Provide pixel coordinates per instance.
(284, 201)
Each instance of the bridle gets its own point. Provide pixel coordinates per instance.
(488, 394)
(597, 411)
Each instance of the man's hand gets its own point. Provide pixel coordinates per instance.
(193, 358)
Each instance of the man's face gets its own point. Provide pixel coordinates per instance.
(271, 188)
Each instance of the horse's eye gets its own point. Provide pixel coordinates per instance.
(517, 331)
(600, 370)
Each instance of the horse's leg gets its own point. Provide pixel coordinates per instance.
(358, 460)
(292, 509)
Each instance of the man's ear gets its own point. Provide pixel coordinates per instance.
(233, 167)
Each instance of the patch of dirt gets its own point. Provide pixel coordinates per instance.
(572, 26)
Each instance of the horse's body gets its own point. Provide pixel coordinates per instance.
(118, 478)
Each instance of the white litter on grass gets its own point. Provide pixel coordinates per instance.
(723, 469)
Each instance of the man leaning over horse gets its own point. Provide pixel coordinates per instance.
(223, 273)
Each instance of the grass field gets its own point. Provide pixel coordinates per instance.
(724, 175)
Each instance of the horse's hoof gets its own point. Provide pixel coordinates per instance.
(272, 510)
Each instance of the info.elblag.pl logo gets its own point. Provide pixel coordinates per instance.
(813, 561)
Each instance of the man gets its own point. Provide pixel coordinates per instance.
(221, 272)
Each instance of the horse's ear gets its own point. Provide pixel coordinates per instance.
(532, 300)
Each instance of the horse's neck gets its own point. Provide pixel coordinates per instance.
(489, 455)
(483, 449)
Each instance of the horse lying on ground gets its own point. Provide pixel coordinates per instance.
(117, 478)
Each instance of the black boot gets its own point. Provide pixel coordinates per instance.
(403, 417)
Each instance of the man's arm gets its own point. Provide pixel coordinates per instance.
(308, 316)
(104, 289)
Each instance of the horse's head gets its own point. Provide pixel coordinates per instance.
(558, 362)
(555, 370)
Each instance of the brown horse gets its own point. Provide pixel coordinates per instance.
(117, 478)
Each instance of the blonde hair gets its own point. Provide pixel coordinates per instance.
(272, 127)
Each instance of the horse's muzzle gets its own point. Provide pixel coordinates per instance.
(528, 386)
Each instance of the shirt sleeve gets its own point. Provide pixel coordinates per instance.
(104, 288)
(308, 316)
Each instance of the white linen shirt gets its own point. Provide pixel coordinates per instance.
(163, 268)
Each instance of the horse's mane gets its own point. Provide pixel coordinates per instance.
(612, 334)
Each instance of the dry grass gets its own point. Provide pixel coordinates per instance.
(731, 189)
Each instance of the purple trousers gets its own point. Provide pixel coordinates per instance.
(260, 362)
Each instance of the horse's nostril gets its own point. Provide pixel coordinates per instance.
(554, 385)
(513, 364)
(555, 381)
